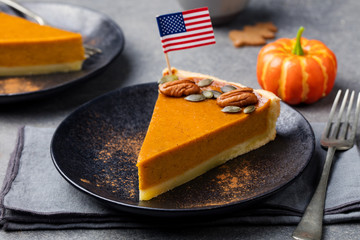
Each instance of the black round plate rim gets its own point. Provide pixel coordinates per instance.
(162, 212)
(15, 97)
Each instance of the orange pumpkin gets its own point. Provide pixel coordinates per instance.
(297, 70)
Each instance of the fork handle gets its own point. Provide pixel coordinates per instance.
(24, 10)
(310, 226)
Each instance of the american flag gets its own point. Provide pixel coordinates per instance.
(188, 29)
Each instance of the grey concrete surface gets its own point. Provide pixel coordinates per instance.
(333, 22)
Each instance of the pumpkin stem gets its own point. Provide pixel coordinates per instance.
(298, 49)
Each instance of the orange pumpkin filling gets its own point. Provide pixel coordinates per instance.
(199, 136)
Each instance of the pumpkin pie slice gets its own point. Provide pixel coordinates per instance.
(28, 48)
(185, 139)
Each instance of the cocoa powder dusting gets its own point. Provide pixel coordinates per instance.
(119, 157)
(111, 151)
(18, 85)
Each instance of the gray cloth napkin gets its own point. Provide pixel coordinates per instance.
(35, 196)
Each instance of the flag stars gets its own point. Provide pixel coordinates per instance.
(171, 24)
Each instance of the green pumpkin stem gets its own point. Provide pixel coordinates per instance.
(298, 49)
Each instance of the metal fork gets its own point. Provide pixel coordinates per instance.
(89, 50)
(339, 134)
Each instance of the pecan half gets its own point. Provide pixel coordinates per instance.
(179, 88)
(240, 97)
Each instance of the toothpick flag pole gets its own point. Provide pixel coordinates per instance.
(168, 63)
(183, 30)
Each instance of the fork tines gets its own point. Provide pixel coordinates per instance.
(343, 126)
(90, 50)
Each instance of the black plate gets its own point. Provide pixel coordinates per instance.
(96, 149)
(97, 30)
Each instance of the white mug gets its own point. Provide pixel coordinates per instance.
(221, 11)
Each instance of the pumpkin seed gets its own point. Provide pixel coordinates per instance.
(205, 82)
(227, 88)
(195, 98)
(231, 109)
(208, 94)
(249, 109)
(216, 93)
(167, 78)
